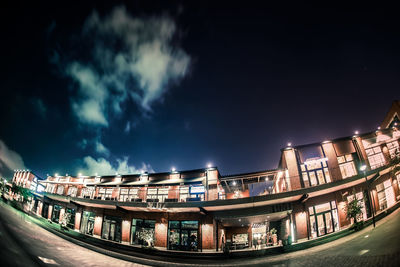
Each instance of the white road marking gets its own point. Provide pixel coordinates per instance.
(362, 252)
(48, 261)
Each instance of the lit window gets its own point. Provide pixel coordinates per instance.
(375, 157)
(346, 165)
(394, 149)
(315, 172)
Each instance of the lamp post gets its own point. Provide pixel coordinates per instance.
(372, 208)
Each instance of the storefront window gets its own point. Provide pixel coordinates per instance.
(142, 232)
(70, 218)
(385, 194)
(87, 223)
(315, 172)
(183, 235)
(259, 232)
(111, 228)
(375, 157)
(323, 219)
(346, 165)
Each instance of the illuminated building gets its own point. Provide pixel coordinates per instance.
(304, 198)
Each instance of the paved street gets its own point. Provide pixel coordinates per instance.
(38, 247)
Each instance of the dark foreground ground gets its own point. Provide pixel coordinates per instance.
(23, 243)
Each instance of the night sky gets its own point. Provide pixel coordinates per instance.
(93, 86)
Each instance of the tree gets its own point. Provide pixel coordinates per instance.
(354, 211)
(25, 193)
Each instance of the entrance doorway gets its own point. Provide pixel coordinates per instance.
(87, 224)
(55, 217)
(323, 219)
(183, 235)
(111, 228)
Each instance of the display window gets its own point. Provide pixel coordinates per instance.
(183, 235)
(323, 219)
(142, 232)
(87, 222)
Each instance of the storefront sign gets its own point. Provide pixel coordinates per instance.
(197, 189)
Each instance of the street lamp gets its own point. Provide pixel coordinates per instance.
(363, 168)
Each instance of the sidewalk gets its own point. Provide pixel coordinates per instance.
(120, 250)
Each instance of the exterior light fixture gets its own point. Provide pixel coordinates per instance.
(363, 167)
(356, 132)
(79, 174)
(289, 144)
(56, 174)
(379, 127)
(234, 183)
(209, 165)
(173, 169)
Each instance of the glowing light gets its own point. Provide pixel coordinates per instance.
(56, 174)
(79, 174)
(356, 132)
(379, 127)
(234, 183)
(289, 144)
(209, 165)
(363, 167)
(173, 169)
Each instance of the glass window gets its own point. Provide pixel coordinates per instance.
(87, 223)
(60, 190)
(324, 220)
(346, 165)
(72, 190)
(111, 229)
(375, 157)
(322, 207)
(394, 149)
(142, 232)
(128, 194)
(183, 235)
(315, 172)
(87, 192)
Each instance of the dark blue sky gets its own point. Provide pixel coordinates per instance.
(135, 85)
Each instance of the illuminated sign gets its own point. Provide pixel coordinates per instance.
(197, 189)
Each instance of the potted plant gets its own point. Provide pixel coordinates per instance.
(353, 211)
(274, 236)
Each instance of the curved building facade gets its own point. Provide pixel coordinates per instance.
(303, 198)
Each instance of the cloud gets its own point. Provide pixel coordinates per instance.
(127, 127)
(101, 149)
(39, 106)
(9, 159)
(101, 166)
(129, 58)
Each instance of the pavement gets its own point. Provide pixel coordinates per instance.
(23, 243)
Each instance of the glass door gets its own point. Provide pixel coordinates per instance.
(321, 224)
(328, 222)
